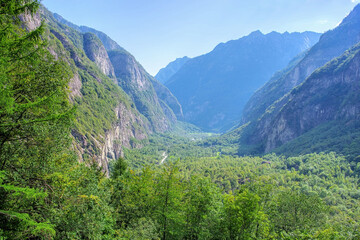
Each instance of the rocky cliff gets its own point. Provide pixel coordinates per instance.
(97, 53)
(331, 93)
(106, 119)
(136, 82)
(151, 98)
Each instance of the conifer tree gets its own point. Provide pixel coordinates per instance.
(35, 117)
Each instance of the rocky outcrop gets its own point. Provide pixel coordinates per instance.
(31, 21)
(136, 82)
(75, 85)
(97, 53)
(111, 145)
(125, 129)
(331, 93)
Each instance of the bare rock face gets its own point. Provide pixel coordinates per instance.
(129, 72)
(121, 135)
(31, 21)
(97, 53)
(330, 93)
(75, 86)
(136, 82)
(104, 149)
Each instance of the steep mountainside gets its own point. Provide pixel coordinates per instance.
(167, 72)
(213, 88)
(136, 82)
(331, 44)
(108, 118)
(151, 98)
(96, 52)
(109, 44)
(329, 95)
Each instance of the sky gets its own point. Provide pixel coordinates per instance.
(157, 32)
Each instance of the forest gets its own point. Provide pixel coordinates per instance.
(202, 190)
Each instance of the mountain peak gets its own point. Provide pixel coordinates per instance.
(256, 33)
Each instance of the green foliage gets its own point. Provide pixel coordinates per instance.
(307, 197)
(44, 192)
(337, 136)
(295, 211)
(244, 218)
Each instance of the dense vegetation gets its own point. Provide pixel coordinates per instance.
(45, 193)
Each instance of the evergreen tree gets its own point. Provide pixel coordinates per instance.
(35, 117)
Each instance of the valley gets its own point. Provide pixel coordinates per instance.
(257, 139)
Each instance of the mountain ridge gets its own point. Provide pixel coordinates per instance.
(173, 67)
(329, 94)
(214, 87)
(331, 44)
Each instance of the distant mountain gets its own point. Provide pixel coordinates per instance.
(167, 72)
(213, 88)
(320, 113)
(331, 44)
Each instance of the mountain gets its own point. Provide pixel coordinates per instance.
(331, 44)
(136, 82)
(213, 88)
(109, 44)
(328, 100)
(157, 103)
(167, 72)
(117, 102)
(320, 113)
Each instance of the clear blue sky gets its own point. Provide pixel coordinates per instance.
(158, 31)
